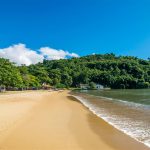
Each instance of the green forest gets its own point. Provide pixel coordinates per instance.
(117, 72)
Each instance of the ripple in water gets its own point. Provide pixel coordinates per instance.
(129, 117)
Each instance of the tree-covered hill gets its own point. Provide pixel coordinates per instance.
(108, 70)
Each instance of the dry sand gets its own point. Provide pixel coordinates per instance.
(56, 121)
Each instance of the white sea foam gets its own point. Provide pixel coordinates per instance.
(135, 129)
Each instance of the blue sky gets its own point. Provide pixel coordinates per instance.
(78, 26)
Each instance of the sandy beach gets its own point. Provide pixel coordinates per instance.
(42, 120)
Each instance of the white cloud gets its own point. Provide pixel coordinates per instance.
(20, 54)
(52, 54)
(73, 55)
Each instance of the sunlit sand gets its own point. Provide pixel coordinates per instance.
(55, 121)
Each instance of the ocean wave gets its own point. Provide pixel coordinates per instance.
(128, 103)
(135, 129)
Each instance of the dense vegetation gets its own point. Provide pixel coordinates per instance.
(108, 70)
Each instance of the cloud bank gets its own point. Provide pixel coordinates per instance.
(53, 54)
(20, 54)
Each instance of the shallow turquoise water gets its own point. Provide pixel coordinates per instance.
(141, 96)
(126, 110)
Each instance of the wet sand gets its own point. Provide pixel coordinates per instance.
(56, 121)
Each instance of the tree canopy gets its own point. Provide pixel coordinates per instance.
(108, 70)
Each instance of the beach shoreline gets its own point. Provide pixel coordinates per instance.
(55, 120)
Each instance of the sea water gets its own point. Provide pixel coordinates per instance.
(126, 110)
